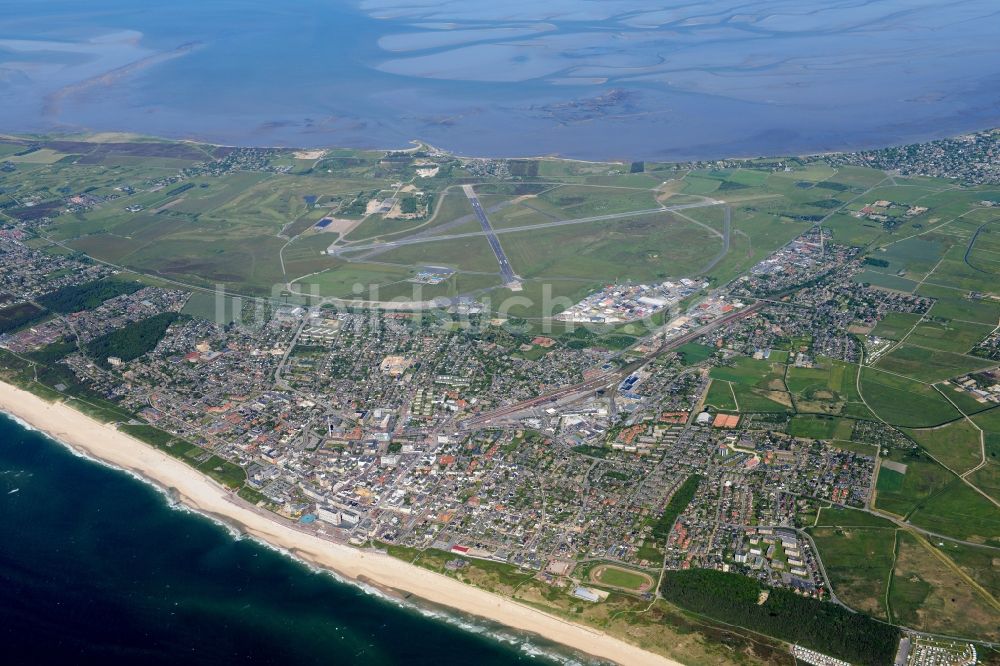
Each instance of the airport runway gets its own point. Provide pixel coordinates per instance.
(413, 240)
(726, 234)
(507, 274)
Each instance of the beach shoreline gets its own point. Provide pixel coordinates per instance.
(380, 571)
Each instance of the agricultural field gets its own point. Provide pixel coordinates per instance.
(901, 491)
(961, 512)
(763, 373)
(721, 396)
(829, 387)
(928, 365)
(904, 402)
(955, 445)
(911, 258)
(948, 335)
(859, 561)
(955, 305)
(896, 575)
(820, 427)
(928, 594)
(895, 325)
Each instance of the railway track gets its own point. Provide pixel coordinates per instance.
(609, 378)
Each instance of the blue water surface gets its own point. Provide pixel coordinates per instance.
(639, 79)
(97, 568)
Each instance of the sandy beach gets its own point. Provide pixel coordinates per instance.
(200, 493)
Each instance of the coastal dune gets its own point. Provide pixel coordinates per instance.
(204, 495)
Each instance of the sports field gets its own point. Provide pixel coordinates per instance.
(626, 579)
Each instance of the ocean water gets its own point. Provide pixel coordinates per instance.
(96, 568)
(632, 79)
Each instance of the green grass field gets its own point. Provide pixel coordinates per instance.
(895, 325)
(720, 396)
(229, 227)
(859, 562)
(840, 516)
(953, 304)
(693, 353)
(640, 249)
(619, 577)
(763, 373)
(987, 479)
(905, 402)
(961, 512)
(926, 594)
(902, 493)
(820, 427)
(829, 387)
(956, 445)
(928, 365)
(887, 281)
(949, 335)
(752, 399)
(977, 562)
